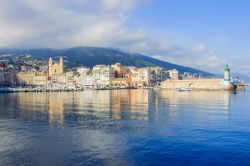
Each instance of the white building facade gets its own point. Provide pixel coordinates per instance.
(103, 75)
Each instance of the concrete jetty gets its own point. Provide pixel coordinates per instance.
(202, 83)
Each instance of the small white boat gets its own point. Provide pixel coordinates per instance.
(183, 89)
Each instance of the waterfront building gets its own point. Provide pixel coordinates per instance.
(120, 82)
(134, 78)
(56, 68)
(84, 78)
(70, 81)
(120, 71)
(157, 75)
(62, 80)
(174, 74)
(103, 75)
(147, 76)
(88, 81)
(114, 75)
(138, 76)
(40, 79)
(32, 78)
(25, 78)
(58, 80)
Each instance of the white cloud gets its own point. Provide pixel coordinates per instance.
(118, 4)
(199, 48)
(64, 23)
(28, 23)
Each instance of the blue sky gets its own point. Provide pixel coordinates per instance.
(204, 34)
(221, 26)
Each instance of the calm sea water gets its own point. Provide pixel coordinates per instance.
(125, 127)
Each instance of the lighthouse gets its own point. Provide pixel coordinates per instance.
(227, 79)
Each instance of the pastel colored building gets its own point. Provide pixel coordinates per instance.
(103, 75)
(32, 78)
(120, 82)
(120, 71)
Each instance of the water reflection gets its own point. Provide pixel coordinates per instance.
(209, 99)
(121, 127)
(198, 106)
(56, 107)
(138, 104)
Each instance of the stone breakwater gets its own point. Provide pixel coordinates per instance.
(197, 84)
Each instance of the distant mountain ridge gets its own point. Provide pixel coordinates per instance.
(90, 56)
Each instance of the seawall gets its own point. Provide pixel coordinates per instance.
(197, 84)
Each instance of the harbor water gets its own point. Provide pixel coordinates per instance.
(125, 127)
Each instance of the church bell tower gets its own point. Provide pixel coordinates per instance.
(56, 68)
(61, 63)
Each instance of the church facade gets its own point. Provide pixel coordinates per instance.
(56, 68)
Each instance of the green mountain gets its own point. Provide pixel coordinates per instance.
(90, 56)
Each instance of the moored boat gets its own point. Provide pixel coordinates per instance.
(183, 89)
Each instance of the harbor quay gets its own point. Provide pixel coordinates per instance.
(203, 84)
(54, 77)
(198, 84)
